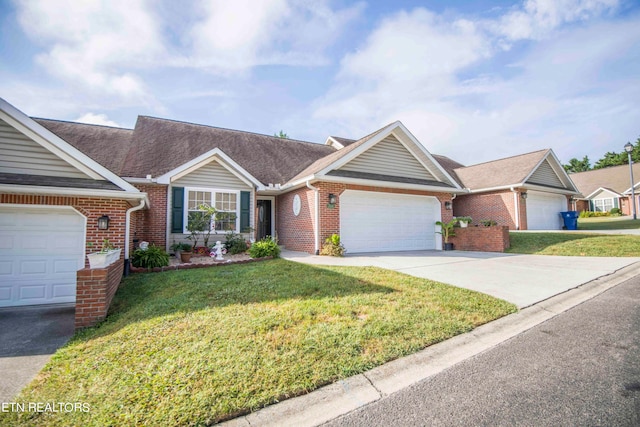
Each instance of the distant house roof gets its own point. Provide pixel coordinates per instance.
(536, 169)
(502, 172)
(615, 178)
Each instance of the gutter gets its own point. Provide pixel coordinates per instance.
(316, 228)
(127, 233)
(516, 204)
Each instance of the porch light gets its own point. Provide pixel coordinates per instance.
(447, 205)
(103, 222)
(628, 147)
(524, 195)
(332, 199)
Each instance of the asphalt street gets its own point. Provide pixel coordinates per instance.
(581, 368)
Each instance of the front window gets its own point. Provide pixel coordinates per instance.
(225, 203)
(226, 207)
(602, 205)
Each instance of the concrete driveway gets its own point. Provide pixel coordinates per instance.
(521, 279)
(28, 338)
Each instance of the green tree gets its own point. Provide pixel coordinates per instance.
(611, 159)
(576, 165)
(281, 134)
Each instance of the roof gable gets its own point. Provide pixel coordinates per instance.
(539, 169)
(366, 157)
(389, 157)
(602, 191)
(42, 137)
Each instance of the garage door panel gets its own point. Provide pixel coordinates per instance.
(543, 211)
(40, 253)
(32, 294)
(372, 222)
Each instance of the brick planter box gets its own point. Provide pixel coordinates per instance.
(482, 239)
(94, 291)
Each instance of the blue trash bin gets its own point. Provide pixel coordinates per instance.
(570, 220)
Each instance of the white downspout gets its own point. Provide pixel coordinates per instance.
(516, 204)
(127, 233)
(316, 228)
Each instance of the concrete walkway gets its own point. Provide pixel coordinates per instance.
(521, 279)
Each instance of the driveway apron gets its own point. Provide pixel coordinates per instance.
(28, 338)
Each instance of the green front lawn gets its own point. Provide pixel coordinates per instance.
(608, 223)
(575, 244)
(192, 347)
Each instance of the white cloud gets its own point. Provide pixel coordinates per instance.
(539, 17)
(89, 43)
(446, 79)
(236, 36)
(96, 119)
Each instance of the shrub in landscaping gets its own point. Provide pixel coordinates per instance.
(265, 247)
(153, 256)
(235, 243)
(333, 246)
(589, 214)
(615, 212)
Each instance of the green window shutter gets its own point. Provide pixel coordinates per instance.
(615, 202)
(245, 210)
(177, 209)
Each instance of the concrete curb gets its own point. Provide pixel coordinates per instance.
(342, 397)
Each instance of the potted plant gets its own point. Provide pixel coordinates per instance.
(446, 229)
(108, 255)
(185, 252)
(464, 221)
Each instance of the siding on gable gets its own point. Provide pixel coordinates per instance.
(212, 175)
(545, 175)
(389, 157)
(21, 155)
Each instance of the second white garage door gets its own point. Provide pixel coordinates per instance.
(41, 249)
(377, 222)
(543, 210)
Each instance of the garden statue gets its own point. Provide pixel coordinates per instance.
(218, 250)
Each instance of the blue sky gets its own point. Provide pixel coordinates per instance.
(473, 80)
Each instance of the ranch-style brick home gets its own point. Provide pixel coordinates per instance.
(66, 187)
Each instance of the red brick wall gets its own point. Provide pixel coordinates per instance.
(484, 239)
(297, 233)
(498, 206)
(92, 208)
(150, 225)
(94, 292)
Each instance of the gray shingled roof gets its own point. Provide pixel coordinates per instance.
(162, 145)
(107, 145)
(57, 181)
(615, 178)
(498, 173)
(344, 141)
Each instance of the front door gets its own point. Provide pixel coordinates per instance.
(264, 218)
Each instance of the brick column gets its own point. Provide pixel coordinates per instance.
(94, 291)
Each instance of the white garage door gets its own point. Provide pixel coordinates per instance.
(41, 249)
(376, 222)
(543, 210)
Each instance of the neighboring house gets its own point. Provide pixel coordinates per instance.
(607, 188)
(525, 192)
